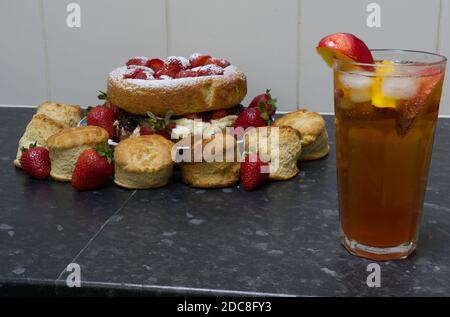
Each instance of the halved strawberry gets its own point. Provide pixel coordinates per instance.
(172, 66)
(138, 61)
(136, 73)
(155, 64)
(209, 70)
(187, 73)
(218, 61)
(197, 60)
(408, 112)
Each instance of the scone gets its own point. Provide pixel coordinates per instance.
(143, 162)
(65, 147)
(40, 128)
(311, 126)
(68, 114)
(216, 165)
(280, 146)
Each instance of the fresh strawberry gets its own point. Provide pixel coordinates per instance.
(137, 73)
(145, 131)
(187, 73)
(218, 61)
(157, 125)
(102, 116)
(265, 101)
(155, 64)
(93, 168)
(408, 112)
(197, 60)
(252, 173)
(219, 114)
(118, 113)
(209, 70)
(164, 133)
(35, 161)
(172, 66)
(138, 61)
(251, 117)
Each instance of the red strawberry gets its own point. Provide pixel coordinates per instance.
(197, 60)
(218, 61)
(155, 64)
(145, 131)
(187, 73)
(265, 101)
(252, 174)
(251, 117)
(136, 73)
(171, 67)
(93, 168)
(218, 114)
(138, 61)
(102, 116)
(35, 161)
(209, 70)
(164, 133)
(407, 113)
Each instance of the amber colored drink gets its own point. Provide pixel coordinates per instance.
(386, 117)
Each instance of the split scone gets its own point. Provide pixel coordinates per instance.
(65, 147)
(279, 146)
(143, 162)
(211, 162)
(311, 126)
(40, 128)
(68, 114)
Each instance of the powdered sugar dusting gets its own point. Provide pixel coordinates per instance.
(184, 62)
(117, 76)
(211, 67)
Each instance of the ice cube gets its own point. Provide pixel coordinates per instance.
(399, 87)
(359, 86)
(355, 81)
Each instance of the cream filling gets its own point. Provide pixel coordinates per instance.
(185, 127)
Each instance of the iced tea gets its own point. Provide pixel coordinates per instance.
(386, 116)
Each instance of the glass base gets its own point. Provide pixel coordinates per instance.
(378, 254)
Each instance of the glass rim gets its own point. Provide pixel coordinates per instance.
(442, 59)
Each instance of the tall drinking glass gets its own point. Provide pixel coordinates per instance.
(386, 115)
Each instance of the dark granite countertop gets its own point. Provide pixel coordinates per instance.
(280, 239)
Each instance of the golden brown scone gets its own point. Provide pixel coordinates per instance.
(311, 126)
(65, 147)
(217, 164)
(280, 146)
(143, 162)
(68, 114)
(40, 128)
(181, 95)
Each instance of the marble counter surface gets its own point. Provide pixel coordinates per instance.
(281, 239)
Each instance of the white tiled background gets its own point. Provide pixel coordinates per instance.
(273, 41)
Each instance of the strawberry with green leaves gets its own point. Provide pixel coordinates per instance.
(252, 117)
(157, 125)
(93, 168)
(35, 161)
(265, 100)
